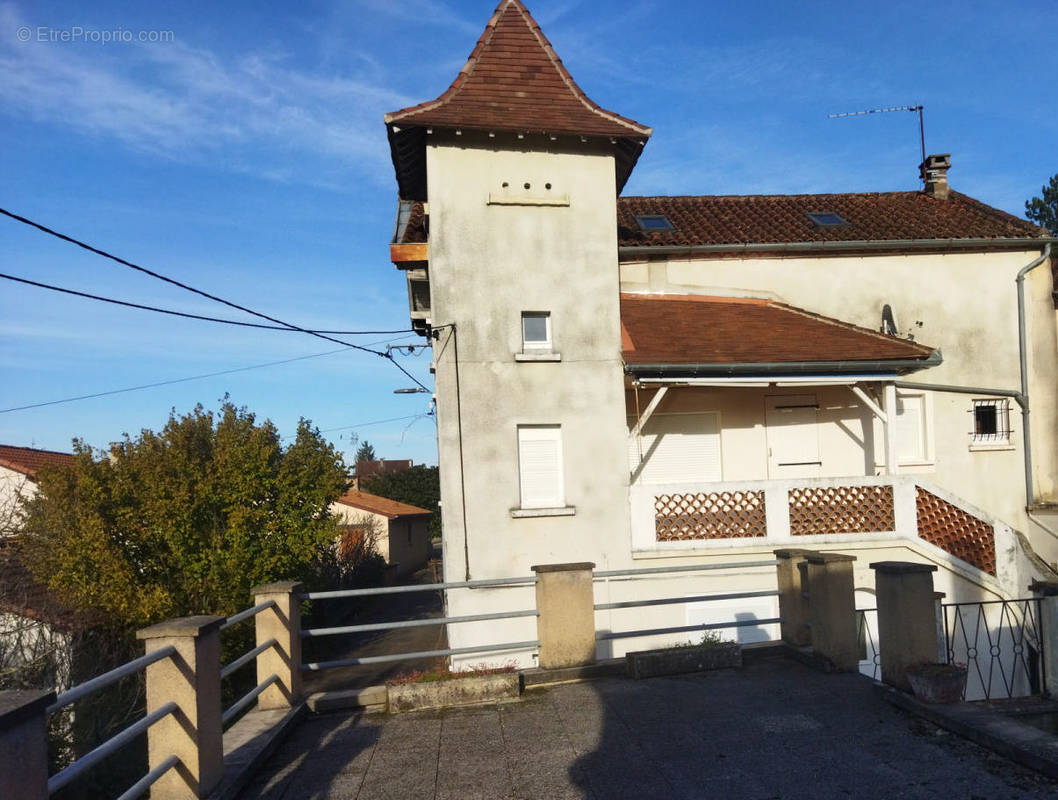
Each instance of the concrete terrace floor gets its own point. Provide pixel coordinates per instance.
(775, 729)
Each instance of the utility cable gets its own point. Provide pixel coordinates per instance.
(201, 293)
(188, 315)
(170, 382)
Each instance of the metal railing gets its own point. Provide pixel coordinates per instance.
(493, 583)
(228, 670)
(871, 661)
(664, 601)
(80, 766)
(1000, 642)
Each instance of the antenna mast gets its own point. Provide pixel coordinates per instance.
(921, 122)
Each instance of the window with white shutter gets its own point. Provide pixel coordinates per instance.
(540, 466)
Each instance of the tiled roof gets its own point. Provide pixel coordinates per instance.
(514, 81)
(29, 460)
(692, 329)
(380, 505)
(760, 219)
(781, 219)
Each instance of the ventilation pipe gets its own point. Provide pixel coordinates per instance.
(1030, 493)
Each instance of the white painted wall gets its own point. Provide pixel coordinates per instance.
(12, 485)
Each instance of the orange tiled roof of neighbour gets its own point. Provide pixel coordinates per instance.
(693, 329)
(29, 460)
(380, 505)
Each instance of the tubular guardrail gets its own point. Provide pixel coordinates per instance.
(249, 612)
(452, 651)
(243, 702)
(107, 748)
(620, 573)
(419, 587)
(147, 781)
(749, 623)
(664, 601)
(95, 684)
(313, 633)
(246, 658)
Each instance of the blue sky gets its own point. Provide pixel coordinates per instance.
(247, 156)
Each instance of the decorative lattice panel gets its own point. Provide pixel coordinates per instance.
(709, 515)
(954, 531)
(841, 509)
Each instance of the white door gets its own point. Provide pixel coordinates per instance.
(679, 448)
(793, 436)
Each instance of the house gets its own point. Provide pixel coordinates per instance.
(399, 532)
(18, 477)
(646, 381)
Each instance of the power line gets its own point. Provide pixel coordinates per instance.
(365, 424)
(188, 315)
(170, 382)
(201, 293)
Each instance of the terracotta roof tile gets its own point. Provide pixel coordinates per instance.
(514, 81)
(692, 329)
(780, 219)
(29, 460)
(380, 505)
(759, 219)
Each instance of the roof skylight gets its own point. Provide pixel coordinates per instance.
(826, 219)
(653, 223)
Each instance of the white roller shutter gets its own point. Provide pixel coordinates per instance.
(679, 448)
(540, 466)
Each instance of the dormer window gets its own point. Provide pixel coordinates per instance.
(826, 219)
(653, 223)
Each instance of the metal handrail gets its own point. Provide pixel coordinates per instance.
(246, 658)
(147, 781)
(673, 600)
(247, 698)
(421, 587)
(452, 651)
(749, 623)
(75, 693)
(618, 573)
(246, 614)
(107, 748)
(312, 633)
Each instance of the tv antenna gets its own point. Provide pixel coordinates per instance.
(921, 123)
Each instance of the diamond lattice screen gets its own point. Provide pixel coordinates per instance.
(709, 515)
(841, 509)
(956, 532)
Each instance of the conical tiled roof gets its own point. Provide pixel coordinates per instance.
(512, 82)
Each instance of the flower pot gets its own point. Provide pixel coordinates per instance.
(676, 660)
(937, 683)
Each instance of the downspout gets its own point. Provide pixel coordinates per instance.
(1030, 494)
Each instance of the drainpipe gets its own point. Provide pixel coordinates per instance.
(1030, 494)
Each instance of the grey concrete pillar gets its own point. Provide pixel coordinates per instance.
(793, 600)
(191, 679)
(24, 744)
(1048, 633)
(907, 618)
(565, 599)
(282, 622)
(832, 609)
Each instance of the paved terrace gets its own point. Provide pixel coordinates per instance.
(775, 729)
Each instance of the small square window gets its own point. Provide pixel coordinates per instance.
(536, 330)
(826, 219)
(991, 421)
(656, 223)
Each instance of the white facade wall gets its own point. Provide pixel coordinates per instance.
(12, 485)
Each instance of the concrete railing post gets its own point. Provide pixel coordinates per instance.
(281, 622)
(566, 626)
(24, 744)
(793, 604)
(832, 609)
(907, 618)
(191, 679)
(1048, 633)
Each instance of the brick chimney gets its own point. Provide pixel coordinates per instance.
(934, 174)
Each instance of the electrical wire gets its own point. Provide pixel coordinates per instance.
(200, 292)
(188, 315)
(365, 424)
(171, 382)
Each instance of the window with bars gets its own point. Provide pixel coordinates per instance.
(991, 422)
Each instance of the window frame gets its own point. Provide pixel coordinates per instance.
(548, 343)
(1003, 438)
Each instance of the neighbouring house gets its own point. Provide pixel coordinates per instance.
(647, 381)
(398, 532)
(381, 466)
(18, 478)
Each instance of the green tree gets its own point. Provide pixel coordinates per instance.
(365, 453)
(419, 485)
(187, 520)
(1043, 210)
